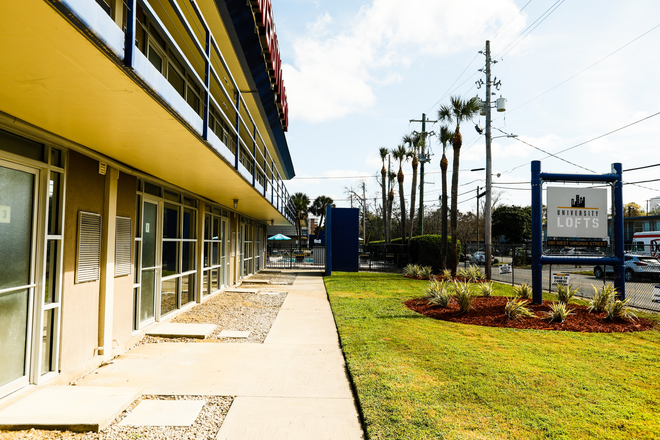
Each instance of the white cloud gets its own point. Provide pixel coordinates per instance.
(336, 74)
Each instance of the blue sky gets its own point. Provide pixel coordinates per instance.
(357, 72)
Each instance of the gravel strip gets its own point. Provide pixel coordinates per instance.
(205, 427)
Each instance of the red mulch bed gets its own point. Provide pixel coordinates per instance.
(489, 312)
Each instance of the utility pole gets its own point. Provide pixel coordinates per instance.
(387, 199)
(422, 160)
(364, 213)
(489, 170)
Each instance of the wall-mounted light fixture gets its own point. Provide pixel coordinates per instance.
(235, 203)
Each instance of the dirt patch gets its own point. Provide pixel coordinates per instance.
(489, 312)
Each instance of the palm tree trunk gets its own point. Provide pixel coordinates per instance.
(454, 209)
(413, 195)
(383, 174)
(389, 214)
(444, 163)
(402, 200)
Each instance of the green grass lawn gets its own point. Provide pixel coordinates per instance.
(420, 378)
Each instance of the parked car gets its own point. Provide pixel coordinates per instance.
(480, 258)
(636, 266)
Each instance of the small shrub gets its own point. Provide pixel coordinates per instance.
(446, 274)
(516, 309)
(602, 297)
(437, 293)
(409, 270)
(565, 293)
(619, 309)
(524, 291)
(486, 289)
(464, 295)
(474, 274)
(559, 311)
(426, 272)
(463, 272)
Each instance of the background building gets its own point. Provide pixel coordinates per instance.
(142, 155)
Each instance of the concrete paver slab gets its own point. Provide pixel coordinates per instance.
(242, 290)
(228, 370)
(303, 327)
(255, 282)
(164, 413)
(291, 419)
(79, 409)
(182, 330)
(234, 334)
(266, 292)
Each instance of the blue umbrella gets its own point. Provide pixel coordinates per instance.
(279, 237)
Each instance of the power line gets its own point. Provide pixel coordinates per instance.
(455, 81)
(514, 17)
(641, 168)
(529, 28)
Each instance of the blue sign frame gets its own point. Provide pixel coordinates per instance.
(538, 259)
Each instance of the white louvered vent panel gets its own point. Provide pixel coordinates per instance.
(123, 246)
(89, 247)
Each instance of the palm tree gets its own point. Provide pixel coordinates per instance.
(390, 201)
(301, 205)
(415, 143)
(445, 136)
(383, 174)
(459, 110)
(401, 154)
(318, 208)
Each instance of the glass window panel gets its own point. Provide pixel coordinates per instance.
(136, 298)
(56, 157)
(13, 334)
(223, 281)
(149, 235)
(189, 223)
(170, 195)
(207, 254)
(207, 282)
(137, 268)
(54, 203)
(16, 191)
(51, 271)
(138, 216)
(187, 289)
(170, 258)
(188, 256)
(155, 59)
(214, 253)
(152, 189)
(47, 342)
(214, 280)
(147, 294)
(23, 147)
(216, 228)
(207, 227)
(170, 221)
(176, 80)
(168, 295)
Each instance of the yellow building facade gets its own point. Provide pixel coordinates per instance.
(142, 155)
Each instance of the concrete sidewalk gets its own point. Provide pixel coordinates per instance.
(294, 386)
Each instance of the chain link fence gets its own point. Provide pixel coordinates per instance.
(512, 265)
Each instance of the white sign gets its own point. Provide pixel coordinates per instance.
(146, 228)
(317, 241)
(560, 278)
(577, 212)
(5, 214)
(656, 294)
(505, 268)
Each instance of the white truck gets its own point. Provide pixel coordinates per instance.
(646, 243)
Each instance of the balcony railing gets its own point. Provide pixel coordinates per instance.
(178, 57)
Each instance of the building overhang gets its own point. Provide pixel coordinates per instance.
(55, 78)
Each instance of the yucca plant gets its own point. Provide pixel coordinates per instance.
(474, 274)
(565, 293)
(437, 293)
(426, 272)
(559, 311)
(464, 295)
(602, 297)
(463, 272)
(486, 289)
(446, 274)
(409, 270)
(524, 291)
(516, 309)
(618, 309)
